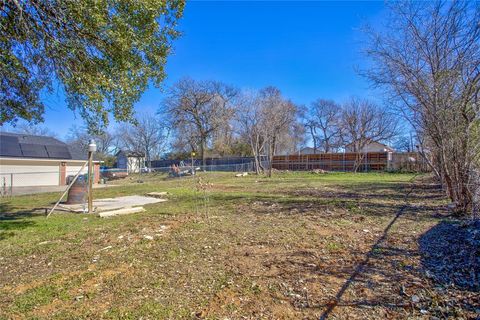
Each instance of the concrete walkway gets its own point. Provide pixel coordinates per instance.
(108, 204)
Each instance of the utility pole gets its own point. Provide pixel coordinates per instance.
(92, 147)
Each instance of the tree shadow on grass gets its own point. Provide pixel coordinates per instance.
(8, 227)
(318, 280)
(362, 268)
(326, 207)
(374, 200)
(12, 220)
(9, 212)
(384, 271)
(451, 254)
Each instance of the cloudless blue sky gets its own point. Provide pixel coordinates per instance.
(308, 50)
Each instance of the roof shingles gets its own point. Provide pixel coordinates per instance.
(39, 147)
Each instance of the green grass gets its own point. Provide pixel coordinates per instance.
(183, 198)
(39, 296)
(250, 224)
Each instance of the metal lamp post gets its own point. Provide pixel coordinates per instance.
(193, 155)
(92, 148)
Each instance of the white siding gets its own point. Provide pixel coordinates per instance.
(371, 147)
(308, 150)
(29, 173)
(72, 169)
(134, 164)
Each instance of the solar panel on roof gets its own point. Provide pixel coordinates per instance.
(9, 146)
(58, 152)
(33, 150)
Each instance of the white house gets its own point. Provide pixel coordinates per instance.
(373, 146)
(308, 150)
(29, 160)
(132, 161)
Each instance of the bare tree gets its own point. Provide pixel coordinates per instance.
(364, 122)
(185, 140)
(36, 130)
(201, 105)
(403, 144)
(223, 139)
(148, 135)
(292, 139)
(79, 137)
(310, 126)
(428, 59)
(269, 123)
(278, 116)
(323, 124)
(249, 119)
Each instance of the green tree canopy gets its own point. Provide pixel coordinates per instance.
(103, 52)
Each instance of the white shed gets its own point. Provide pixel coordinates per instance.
(131, 161)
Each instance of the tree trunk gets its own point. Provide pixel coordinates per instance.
(312, 132)
(148, 159)
(326, 141)
(358, 161)
(255, 152)
(255, 157)
(203, 146)
(257, 163)
(271, 152)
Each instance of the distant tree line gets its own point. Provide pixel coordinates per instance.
(147, 134)
(214, 119)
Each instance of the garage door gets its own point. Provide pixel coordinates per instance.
(30, 175)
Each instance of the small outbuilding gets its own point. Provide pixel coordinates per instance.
(131, 161)
(32, 160)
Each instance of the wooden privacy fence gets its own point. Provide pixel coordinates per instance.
(334, 161)
(409, 161)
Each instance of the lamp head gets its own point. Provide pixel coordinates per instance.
(92, 146)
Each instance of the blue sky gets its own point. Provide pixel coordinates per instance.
(308, 50)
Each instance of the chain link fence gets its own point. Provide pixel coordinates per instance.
(32, 182)
(18, 183)
(197, 165)
(53, 181)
